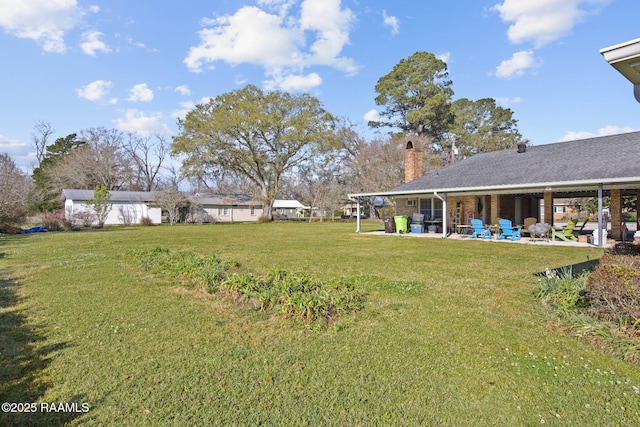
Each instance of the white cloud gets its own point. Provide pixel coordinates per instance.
(544, 21)
(240, 38)
(517, 65)
(139, 122)
(12, 147)
(605, 131)
(140, 93)
(44, 21)
(392, 22)
(185, 108)
(372, 116)
(183, 90)
(332, 25)
(294, 83)
(91, 43)
(21, 153)
(96, 91)
(444, 57)
(240, 80)
(507, 102)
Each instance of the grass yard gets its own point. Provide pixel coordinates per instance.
(450, 335)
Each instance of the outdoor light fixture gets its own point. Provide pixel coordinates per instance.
(625, 57)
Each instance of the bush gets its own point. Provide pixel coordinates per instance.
(146, 221)
(624, 248)
(613, 290)
(563, 290)
(55, 221)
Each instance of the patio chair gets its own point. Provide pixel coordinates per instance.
(566, 233)
(479, 229)
(528, 222)
(509, 230)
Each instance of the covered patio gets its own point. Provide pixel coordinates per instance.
(518, 183)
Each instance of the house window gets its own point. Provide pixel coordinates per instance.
(560, 209)
(223, 211)
(431, 208)
(253, 211)
(411, 202)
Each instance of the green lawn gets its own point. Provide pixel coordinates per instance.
(450, 334)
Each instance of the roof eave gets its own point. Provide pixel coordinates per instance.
(593, 183)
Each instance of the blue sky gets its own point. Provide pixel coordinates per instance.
(139, 65)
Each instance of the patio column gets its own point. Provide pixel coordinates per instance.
(600, 224)
(495, 206)
(548, 207)
(358, 216)
(616, 214)
(637, 210)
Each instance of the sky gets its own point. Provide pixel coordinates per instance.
(139, 66)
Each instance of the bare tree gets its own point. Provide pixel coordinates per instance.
(15, 191)
(126, 214)
(147, 156)
(40, 138)
(171, 202)
(101, 161)
(377, 164)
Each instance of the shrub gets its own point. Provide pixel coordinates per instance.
(85, 217)
(563, 290)
(55, 221)
(263, 219)
(613, 290)
(624, 248)
(146, 221)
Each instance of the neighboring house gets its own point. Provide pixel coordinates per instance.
(127, 207)
(512, 183)
(349, 209)
(289, 209)
(224, 208)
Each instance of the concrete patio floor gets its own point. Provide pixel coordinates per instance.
(523, 240)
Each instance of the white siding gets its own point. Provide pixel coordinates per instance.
(133, 212)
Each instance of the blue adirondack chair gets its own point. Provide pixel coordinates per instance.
(479, 230)
(509, 230)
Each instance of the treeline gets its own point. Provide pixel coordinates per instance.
(269, 144)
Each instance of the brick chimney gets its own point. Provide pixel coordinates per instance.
(412, 161)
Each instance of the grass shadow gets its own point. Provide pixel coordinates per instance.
(23, 357)
(575, 269)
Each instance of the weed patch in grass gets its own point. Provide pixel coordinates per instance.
(278, 291)
(187, 266)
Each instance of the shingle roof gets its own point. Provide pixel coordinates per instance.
(224, 199)
(606, 158)
(116, 196)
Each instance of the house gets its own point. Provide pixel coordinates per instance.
(127, 207)
(289, 209)
(224, 208)
(513, 183)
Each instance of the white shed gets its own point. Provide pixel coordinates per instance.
(127, 207)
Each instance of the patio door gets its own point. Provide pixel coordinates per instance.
(431, 208)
